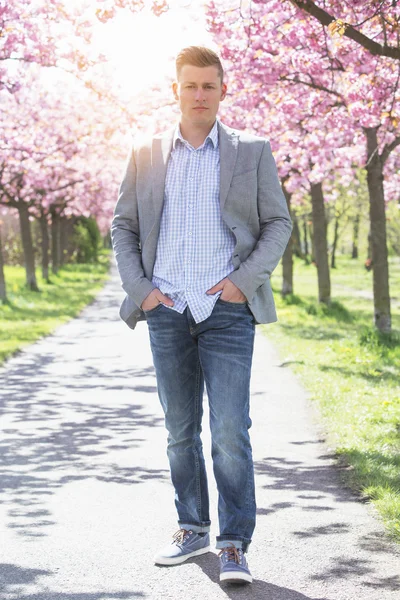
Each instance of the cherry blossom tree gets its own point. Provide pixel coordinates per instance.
(3, 291)
(63, 138)
(58, 156)
(283, 47)
(31, 33)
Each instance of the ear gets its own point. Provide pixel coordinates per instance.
(223, 91)
(175, 90)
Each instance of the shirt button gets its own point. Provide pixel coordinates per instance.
(188, 288)
(190, 233)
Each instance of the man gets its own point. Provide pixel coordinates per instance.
(200, 224)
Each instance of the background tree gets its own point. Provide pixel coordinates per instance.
(3, 292)
(282, 49)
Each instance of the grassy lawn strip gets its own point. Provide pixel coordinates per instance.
(352, 372)
(30, 315)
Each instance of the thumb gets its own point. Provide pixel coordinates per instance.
(164, 299)
(216, 288)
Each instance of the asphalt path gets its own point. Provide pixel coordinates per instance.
(86, 499)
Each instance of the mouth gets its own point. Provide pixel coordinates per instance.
(200, 108)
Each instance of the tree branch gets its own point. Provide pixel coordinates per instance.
(296, 79)
(326, 19)
(389, 148)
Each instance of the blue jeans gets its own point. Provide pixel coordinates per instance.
(217, 351)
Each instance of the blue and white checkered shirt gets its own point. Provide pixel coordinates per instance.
(195, 246)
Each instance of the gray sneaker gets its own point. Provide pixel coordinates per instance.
(234, 567)
(186, 544)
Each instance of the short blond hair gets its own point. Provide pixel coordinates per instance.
(199, 56)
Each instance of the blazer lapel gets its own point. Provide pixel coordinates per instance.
(160, 152)
(228, 148)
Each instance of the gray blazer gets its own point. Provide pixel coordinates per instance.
(252, 205)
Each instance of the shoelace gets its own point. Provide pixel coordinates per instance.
(180, 536)
(232, 553)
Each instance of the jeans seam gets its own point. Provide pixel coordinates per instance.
(250, 492)
(196, 456)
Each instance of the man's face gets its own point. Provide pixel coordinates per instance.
(199, 92)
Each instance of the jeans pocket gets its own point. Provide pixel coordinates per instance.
(232, 303)
(153, 310)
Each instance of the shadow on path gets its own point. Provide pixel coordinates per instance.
(12, 577)
(62, 441)
(347, 568)
(68, 411)
(316, 483)
(312, 482)
(259, 590)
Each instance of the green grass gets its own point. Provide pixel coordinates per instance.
(352, 372)
(27, 315)
(352, 273)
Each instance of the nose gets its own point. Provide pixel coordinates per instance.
(199, 94)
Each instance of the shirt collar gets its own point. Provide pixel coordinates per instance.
(212, 136)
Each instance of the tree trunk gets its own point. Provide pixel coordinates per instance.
(312, 250)
(287, 258)
(3, 291)
(305, 231)
(356, 230)
(29, 254)
(296, 239)
(63, 239)
(335, 242)
(369, 247)
(55, 241)
(320, 243)
(45, 246)
(380, 266)
(107, 241)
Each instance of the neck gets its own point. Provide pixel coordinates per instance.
(195, 134)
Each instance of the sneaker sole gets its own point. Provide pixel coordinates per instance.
(180, 559)
(236, 577)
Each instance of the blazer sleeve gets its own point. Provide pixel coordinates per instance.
(275, 228)
(125, 235)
